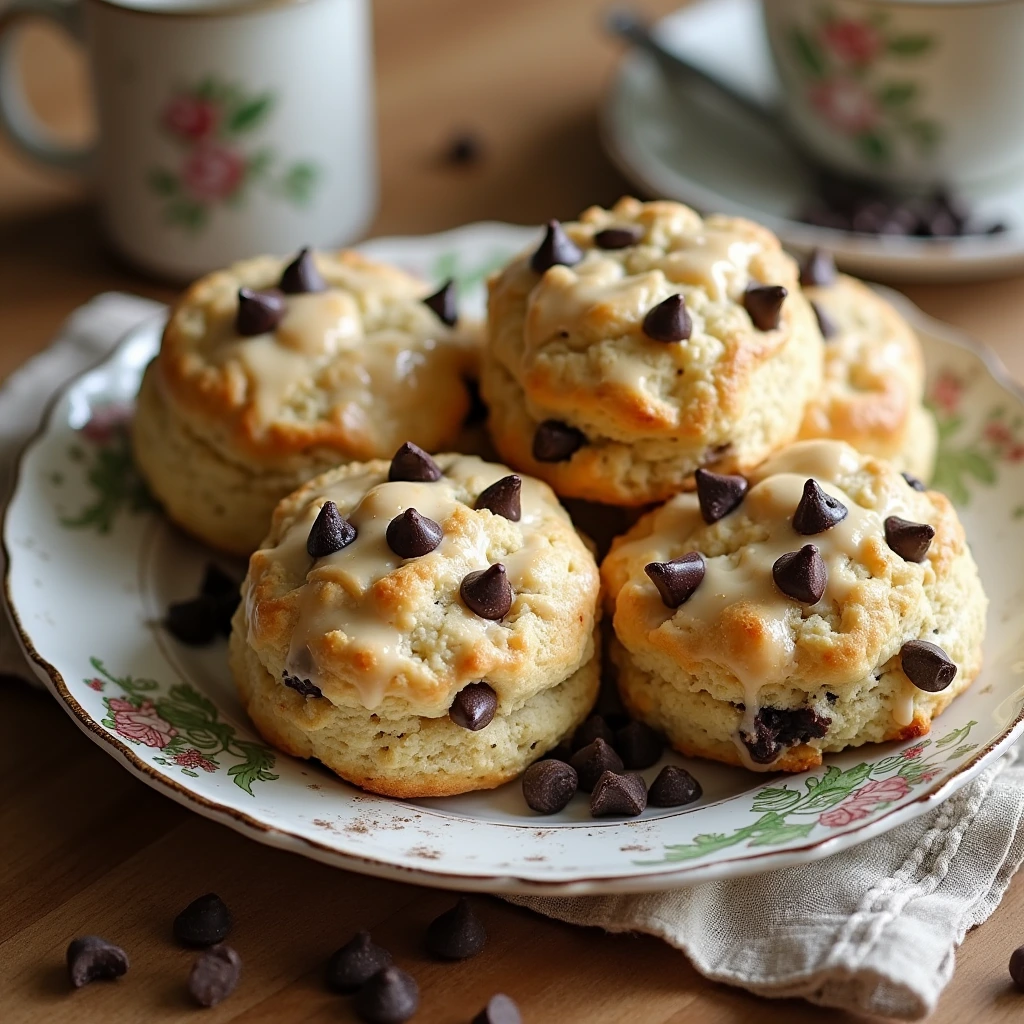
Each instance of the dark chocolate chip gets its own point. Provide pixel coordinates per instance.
(673, 787)
(413, 464)
(718, 493)
(764, 304)
(355, 963)
(301, 276)
(329, 532)
(775, 729)
(500, 1009)
(464, 149)
(908, 539)
(214, 975)
(1017, 968)
(638, 745)
(258, 311)
(557, 248)
(444, 302)
(474, 707)
(555, 441)
(668, 321)
(563, 752)
(410, 535)
(487, 592)
(204, 922)
(91, 958)
(457, 934)
(618, 796)
(826, 323)
(217, 583)
(818, 269)
(391, 996)
(595, 727)
(549, 785)
(503, 498)
(197, 621)
(817, 511)
(618, 238)
(593, 760)
(477, 408)
(801, 574)
(913, 481)
(927, 666)
(677, 580)
(303, 686)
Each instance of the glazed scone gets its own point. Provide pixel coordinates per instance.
(271, 373)
(643, 342)
(830, 604)
(873, 392)
(390, 658)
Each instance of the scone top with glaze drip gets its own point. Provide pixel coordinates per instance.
(275, 360)
(404, 583)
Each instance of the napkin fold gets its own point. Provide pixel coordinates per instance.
(871, 930)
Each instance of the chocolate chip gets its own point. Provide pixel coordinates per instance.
(668, 321)
(197, 621)
(222, 595)
(410, 535)
(618, 238)
(214, 975)
(91, 958)
(801, 574)
(718, 493)
(764, 304)
(474, 707)
(673, 787)
(303, 686)
(413, 464)
(503, 498)
(258, 311)
(927, 666)
(1017, 968)
(826, 324)
(444, 303)
(548, 786)
(477, 408)
(500, 1009)
(595, 727)
(563, 752)
(618, 796)
(464, 149)
(487, 592)
(217, 583)
(638, 745)
(914, 482)
(204, 922)
(775, 729)
(908, 539)
(329, 532)
(818, 270)
(557, 248)
(355, 963)
(457, 934)
(817, 511)
(391, 996)
(677, 580)
(593, 760)
(301, 276)
(555, 441)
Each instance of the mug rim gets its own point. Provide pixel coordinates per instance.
(935, 4)
(208, 10)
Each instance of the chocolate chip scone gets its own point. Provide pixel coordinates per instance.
(643, 342)
(423, 627)
(822, 603)
(271, 372)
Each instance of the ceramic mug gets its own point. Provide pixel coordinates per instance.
(225, 129)
(919, 92)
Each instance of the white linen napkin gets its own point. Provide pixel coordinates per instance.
(874, 929)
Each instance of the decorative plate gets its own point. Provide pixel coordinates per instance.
(92, 566)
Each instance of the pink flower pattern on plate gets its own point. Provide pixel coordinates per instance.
(861, 802)
(191, 758)
(142, 724)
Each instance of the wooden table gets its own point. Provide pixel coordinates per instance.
(84, 847)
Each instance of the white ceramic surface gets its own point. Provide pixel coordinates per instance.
(92, 567)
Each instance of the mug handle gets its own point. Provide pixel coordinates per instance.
(16, 116)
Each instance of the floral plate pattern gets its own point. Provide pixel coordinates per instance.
(92, 566)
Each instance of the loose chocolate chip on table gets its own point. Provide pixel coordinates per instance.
(258, 311)
(91, 958)
(457, 934)
(826, 324)
(817, 511)
(413, 464)
(619, 796)
(555, 441)
(301, 276)
(927, 666)
(638, 745)
(593, 760)
(204, 922)
(411, 535)
(329, 533)
(391, 996)
(474, 707)
(500, 1009)
(618, 238)
(775, 729)
(214, 975)
(912, 480)
(673, 787)
(718, 493)
(355, 963)
(818, 269)
(503, 498)
(764, 304)
(1017, 967)
(303, 686)
(801, 574)
(595, 727)
(487, 592)
(444, 303)
(908, 539)
(549, 785)
(557, 248)
(668, 321)
(678, 579)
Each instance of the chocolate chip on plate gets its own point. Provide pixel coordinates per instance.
(214, 975)
(557, 248)
(668, 321)
(638, 745)
(444, 302)
(593, 760)
(218, 583)
(817, 510)
(474, 707)
(355, 963)
(503, 498)
(801, 574)
(303, 686)
(1017, 967)
(596, 726)
(926, 665)
(487, 592)
(618, 238)
(457, 934)
(391, 996)
(718, 493)
(913, 481)
(204, 922)
(908, 539)
(91, 958)
(818, 269)
(500, 1009)
(196, 621)
(764, 304)
(677, 580)
(826, 322)
(411, 535)
(329, 532)
(259, 312)
(619, 796)
(549, 785)
(673, 787)
(555, 441)
(301, 276)
(775, 729)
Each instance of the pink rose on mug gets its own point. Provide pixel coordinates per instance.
(854, 42)
(212, 171)
(190, 117)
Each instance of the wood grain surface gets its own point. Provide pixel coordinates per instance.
(86, 848)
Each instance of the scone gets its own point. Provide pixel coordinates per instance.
(643, 342)
(873, 393)
(422, 627)
(824, 603)
(270, 373)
